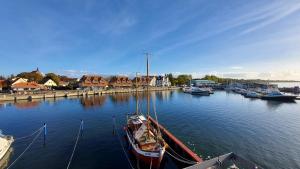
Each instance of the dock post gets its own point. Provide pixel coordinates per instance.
(45, 133)
(81, 127)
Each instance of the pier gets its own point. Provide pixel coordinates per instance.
(72, 93)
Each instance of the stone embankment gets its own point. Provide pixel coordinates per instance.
(72, 93)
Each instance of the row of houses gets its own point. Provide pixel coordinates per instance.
(85, 82)
(123, 82)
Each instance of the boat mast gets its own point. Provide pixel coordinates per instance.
(148, 98)
(136, 94)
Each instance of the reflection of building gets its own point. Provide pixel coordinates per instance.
(26, 104)
(120, 82)
(93, 82)
(142, 81)
(93, 101)
(120, 97)
(163, 95)
(163, 81)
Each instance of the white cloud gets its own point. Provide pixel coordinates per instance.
(236, 67)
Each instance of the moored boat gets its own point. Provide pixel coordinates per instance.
(200, 91)
(5, 144)
(145, 139)
(276, 95)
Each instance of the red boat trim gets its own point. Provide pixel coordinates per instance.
(178, 142)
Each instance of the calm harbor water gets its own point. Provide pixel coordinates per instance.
(265, 132)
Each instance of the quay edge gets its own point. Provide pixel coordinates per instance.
(71, 93)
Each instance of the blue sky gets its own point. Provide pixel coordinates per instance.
(240, 39)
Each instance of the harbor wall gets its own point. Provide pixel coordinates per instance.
(72, 93)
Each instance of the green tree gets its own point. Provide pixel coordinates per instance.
(31, 76)
(184, 79)
(53, 77)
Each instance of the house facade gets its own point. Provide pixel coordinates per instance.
(92, 82)
(3, 84)
(18, 80)
(120, 82)
(26, 86)
(48, 84)
(163, 81)
(143, 82)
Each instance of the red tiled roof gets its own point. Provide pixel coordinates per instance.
(120, 81)
(32, 85)
(93, 81)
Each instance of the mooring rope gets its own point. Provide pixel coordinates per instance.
(25, 150)
(30, 135)
(180, 155)
(183, 161)
(78, 134)
(119, 138)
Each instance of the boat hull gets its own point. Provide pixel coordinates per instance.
(5, 145)
(150, 158)
(204, 93)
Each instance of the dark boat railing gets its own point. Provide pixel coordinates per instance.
(221, 161)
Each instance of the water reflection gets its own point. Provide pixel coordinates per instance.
(24, 104)
(120, 98)
(164, 95)
(93, 101)
(271, 104)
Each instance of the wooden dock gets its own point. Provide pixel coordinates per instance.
(72, 93)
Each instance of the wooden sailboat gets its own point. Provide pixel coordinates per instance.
(146, 141)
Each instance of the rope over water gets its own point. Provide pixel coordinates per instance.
(78, 134)
(30, 135)
(119, 138)
(25, 149)
(183, 161)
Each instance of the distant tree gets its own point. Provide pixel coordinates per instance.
(53, 77)
(171, 78)
(31, 76)
(183, 79)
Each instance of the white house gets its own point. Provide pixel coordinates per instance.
(163, 81)
(49, 83)
(18, 80)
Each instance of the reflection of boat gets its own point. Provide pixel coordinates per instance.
(145, 139)
(252, 94)
(276, 95)
(5, 159)
(5, 143)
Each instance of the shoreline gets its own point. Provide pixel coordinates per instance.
(72, 93)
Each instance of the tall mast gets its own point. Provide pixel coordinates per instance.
(136, 94)
(148, 99)
(148, 80)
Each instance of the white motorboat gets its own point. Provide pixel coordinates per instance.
(5, 144)
(200, 91)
